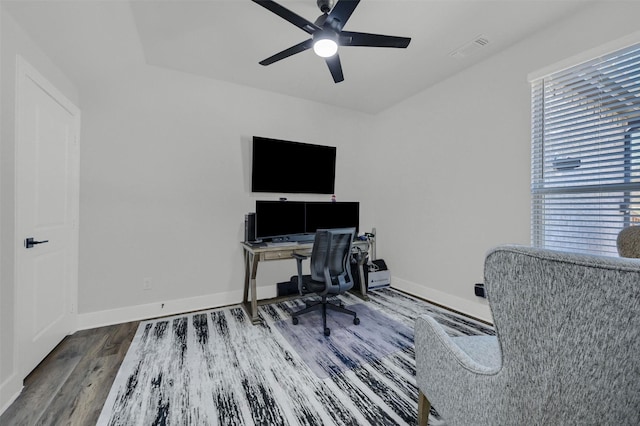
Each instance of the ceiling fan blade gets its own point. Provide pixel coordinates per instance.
(335, 67)
(349, 38)
(288, 15)
(300, 47)
(342, 11)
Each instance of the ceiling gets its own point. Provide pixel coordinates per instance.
(95, 41)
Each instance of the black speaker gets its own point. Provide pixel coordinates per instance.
(250, 227)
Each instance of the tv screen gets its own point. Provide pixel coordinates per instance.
(292, 167)
(279, 218)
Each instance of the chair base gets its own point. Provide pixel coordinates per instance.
(323, 305)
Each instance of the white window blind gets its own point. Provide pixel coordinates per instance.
(585, 180)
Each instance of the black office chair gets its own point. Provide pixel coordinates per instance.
(330, 272)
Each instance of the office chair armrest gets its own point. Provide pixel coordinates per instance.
(299, 258)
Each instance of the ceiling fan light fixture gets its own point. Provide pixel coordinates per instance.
(327, 33)
(325, 47)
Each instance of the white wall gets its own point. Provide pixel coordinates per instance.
(165, 175)
(14, 41)
(456, 161)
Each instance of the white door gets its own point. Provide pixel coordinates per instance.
(47, 160)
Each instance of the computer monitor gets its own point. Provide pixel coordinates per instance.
(279, 218)
(327, 215)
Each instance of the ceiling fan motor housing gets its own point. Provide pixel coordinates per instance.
(325, 5)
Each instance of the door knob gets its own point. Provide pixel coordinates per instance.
(29, 242)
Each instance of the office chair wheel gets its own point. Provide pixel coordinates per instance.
(327, 332)
(356, 321)
(295, 320)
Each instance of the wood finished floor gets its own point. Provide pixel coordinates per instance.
(70, 385)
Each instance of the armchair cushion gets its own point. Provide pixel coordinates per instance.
(485, 350)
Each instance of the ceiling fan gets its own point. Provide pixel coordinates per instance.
(327, 34)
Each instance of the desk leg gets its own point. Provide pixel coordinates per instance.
(254, 293)
(247, 276)
(363, 284)
(250, 272)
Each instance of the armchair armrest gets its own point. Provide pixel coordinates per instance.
(455, 373)
(476, 354)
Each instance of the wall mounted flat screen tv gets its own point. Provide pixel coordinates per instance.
(292, 167)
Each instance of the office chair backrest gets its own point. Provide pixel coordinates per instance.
(331, 251)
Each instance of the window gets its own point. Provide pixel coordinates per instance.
(585, 181)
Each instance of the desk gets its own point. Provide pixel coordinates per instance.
(256, 254)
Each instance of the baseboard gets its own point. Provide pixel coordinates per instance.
(157, 309)
(478, 309)
(9, 390)
(89, 320)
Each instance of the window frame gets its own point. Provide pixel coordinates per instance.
(593, 174)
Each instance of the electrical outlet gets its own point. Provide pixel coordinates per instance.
(479, 290)
(146, 283)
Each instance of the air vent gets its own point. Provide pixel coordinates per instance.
(469, 48)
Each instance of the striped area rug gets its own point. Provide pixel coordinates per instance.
(216, 368)
(349, 346)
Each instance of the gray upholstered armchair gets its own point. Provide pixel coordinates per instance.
(566, 350)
